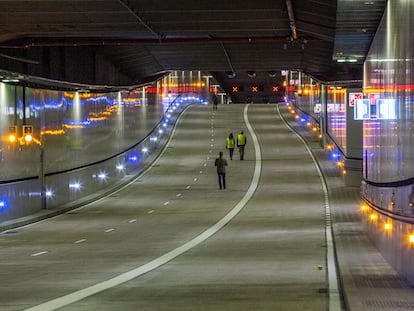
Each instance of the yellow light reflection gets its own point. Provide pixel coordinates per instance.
(53, 132)
(12, 138)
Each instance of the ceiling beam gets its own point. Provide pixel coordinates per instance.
(292, 22)
(73, 42)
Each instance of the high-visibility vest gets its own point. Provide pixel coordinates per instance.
(241, 140)
(230, 143)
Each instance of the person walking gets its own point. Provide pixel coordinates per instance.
(230, 144)
(215, 102)
(241, 143)
(221, 164)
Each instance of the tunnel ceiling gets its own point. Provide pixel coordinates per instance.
(145, 38)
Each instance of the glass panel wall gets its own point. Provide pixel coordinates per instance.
(336, 116)
(388, 85)
(83, 143)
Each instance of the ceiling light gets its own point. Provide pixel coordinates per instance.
(230, 74)
(347, 60)
(251, 74)
(10, 80)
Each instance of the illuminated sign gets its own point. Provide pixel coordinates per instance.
(275, 88)
(317, 108)
(256, 88)
(353, 97)
(387, 109)
(235, 89)
(376, 108)
(362, 109)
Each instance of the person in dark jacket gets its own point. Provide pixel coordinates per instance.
(221, 164)
(215, 102)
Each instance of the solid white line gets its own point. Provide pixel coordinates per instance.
(127, 276)
(39, 253)
(334, 297)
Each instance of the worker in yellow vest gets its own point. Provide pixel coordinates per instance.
(241, 143)
(230, 144)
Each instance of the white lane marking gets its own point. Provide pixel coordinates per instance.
(205, 164)
(209, 151)
(334, 296)
(178, 195)
(132, 274)
(166, 203)
(188, 187)
(211, 145)
(195, 179)
(79, 241)
(201, 172)
(39, 253)
(132, 220)
(109, 230)
(151, 211)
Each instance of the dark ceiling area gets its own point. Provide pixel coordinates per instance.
(117, 43)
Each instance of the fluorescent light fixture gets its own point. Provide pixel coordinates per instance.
(347, 60)
(10, 80)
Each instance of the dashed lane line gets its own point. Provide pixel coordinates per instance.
(39, 254)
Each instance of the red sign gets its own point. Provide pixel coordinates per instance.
(353, 97)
